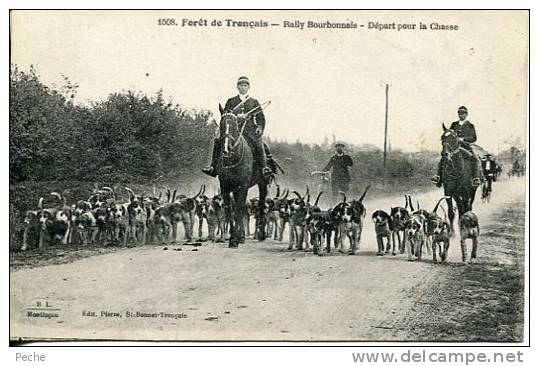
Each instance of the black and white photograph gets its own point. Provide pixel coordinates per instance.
(268, 176)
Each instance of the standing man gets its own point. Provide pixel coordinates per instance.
(489, 170)
(240, 105)
(340, 178)
(466, 133)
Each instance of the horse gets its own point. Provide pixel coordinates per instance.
(237, 174)
(458, 174)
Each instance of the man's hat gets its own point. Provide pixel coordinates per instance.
(339, 143)
(243, 80)
(462, 109)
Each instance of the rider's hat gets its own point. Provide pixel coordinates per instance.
(339, 143)
(462, 109)
(243, 80)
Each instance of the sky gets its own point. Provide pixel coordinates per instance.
(321, 82)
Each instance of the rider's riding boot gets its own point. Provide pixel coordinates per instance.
(260, 156)
(477, 173)
(211, 169)
(438, 177)
(269, 159)
(271, 164)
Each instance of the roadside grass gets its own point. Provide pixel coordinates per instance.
(481, 302)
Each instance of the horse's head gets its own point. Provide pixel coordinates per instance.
(450, 142)
(231, 131)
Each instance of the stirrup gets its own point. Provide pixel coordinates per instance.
(267, 172)
(209, 170)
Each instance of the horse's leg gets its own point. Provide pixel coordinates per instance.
(473, 256)
(200, 219)
(262, 194)
(451, 214)
(233, 239)
(463, 248)
(434, 247)
(240, 196)
(292, 236)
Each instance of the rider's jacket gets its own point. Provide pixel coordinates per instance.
(258, 119)
(466, 131)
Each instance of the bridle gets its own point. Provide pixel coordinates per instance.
(449, 148)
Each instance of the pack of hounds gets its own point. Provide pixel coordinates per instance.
(141, 219)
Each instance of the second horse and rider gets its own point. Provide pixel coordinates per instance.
(459, 172)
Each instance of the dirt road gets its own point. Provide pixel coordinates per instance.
(260, 291)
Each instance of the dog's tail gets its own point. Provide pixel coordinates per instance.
(60, 197)
(445, 213)
(318, 198)
(278, 190)
(297, 194)
(40, 203)
(110, 190)
(201, 191)
(307, 194)
(344, 196)
(173, 195)
(364, 193)
(410, 203)
(285, 194)
(130, 193)
(438, 203)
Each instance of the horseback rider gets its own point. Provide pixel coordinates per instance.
(240, 105)
(340, 179)
(466, 133)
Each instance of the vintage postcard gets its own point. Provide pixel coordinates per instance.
(268, 175)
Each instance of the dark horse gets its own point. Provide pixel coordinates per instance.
(458, 174)
(238, 173)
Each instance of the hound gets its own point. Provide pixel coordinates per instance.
(425, 215)
(439, 230)
(55, 222)
(201, 211)
(185, 208)
(415, 235)
(86, 225)
(399, 215)
(440, 239)
(31, 229)
(350, 217)
(137, 219)
(469, 229)
(383, 227)
(83, 223)
(283, 209)
(298, 212)
(216, 218)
